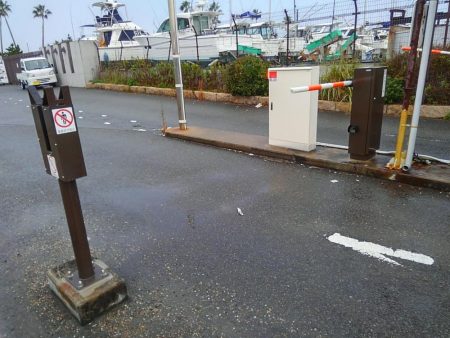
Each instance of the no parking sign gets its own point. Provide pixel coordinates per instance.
(64, 120)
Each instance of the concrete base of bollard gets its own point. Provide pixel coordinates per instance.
(88, 300)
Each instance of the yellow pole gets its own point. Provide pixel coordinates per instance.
(400, 139)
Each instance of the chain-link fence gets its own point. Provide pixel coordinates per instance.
(382, 27)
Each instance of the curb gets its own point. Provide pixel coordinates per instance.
(434, 176)
(188, 94)
(436, 112)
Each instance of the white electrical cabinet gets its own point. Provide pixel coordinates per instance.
(293, 117)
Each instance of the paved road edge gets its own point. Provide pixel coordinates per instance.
(433, 176)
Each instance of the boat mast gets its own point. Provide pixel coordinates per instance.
(295, 11)
(231, 11)
(270, 10)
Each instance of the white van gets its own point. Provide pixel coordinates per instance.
(36, 72)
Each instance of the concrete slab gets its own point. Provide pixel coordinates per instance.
(435, 176)
(90, 301)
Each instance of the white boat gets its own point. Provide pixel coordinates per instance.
(298, 39)
(200, 38)
(264, 38)
(115, 35)
(370, 44)
(377, 40)
(301, 36)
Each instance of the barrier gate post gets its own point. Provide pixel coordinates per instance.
(86, 286)
(367, 109)
(367, 112)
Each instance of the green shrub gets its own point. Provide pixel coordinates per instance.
(215, 78)
(247, 76)
(396, 65)
(192, 75)
(437, 88)
(141, 72)
(163, 75)
(132, 82)
(338, 71)
(394, 90)
(114, 72)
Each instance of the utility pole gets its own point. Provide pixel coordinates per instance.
(177, 63)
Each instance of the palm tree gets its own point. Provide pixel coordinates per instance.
(215, 7)
(5, 9)
(41, 12)
(185, 6)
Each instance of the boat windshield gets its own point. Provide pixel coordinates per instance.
(300, 33)
(264, 31)
(320, 29)
(37, 64)
(201, 23)
(183, 23)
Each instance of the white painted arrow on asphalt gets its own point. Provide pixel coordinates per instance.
(380, 252)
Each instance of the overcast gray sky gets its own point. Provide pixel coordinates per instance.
(69, 15)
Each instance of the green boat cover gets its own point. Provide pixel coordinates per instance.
(341, 49)
(328, 39)
(249, 50)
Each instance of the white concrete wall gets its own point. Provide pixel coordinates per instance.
(3, 74)
(400, 38)
(84, 58)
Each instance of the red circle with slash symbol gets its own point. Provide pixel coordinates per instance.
(64, 118)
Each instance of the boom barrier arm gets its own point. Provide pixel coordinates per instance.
(322, 86)
(433, 51)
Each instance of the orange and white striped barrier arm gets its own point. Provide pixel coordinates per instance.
(321, 86)
(433, 51)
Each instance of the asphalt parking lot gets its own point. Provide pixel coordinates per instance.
(163, 214)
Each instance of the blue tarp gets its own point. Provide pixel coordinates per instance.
(247, 15)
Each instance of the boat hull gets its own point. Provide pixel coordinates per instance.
(202, 48)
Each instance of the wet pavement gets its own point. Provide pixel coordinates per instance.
(163, 214)
(432, 175)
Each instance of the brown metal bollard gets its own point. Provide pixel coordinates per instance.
(57, 132)
(94, 288)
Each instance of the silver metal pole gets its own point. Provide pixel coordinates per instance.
(177, 64)
(427, 44)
